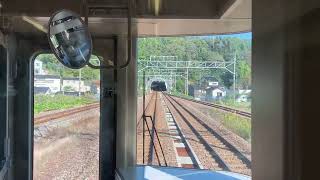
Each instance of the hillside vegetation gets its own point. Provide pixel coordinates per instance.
(213, 48)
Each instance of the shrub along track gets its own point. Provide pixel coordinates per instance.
(213, 150)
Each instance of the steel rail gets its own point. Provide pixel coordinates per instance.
(213, 153)
(191, 153)
(236, 152)
(151, 145)
(67, 112)
(155, 132)
(141, 117)
(225, 108)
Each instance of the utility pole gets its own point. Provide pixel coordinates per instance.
(79, 82)
(187, 82)
(171, 83)
(144, 112)
(175, 83)
(234, 78)
(61, 78)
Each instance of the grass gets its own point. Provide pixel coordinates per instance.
(238, 125)
(244, 106)
(227, 101)
(44, 103)
(175, 93)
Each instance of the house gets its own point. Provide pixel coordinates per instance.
(53, 83)
(50, 81)
(95, 87)
(213, 93)
(74, 84)
(244, 91)
(41, 90)
(199, 94)
(243, 95)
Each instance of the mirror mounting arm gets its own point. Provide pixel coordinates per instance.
(129, 38)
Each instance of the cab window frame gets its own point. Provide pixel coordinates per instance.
(3, 112)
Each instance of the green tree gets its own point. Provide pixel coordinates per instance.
(227, 79)
(54, 67)
(244, 74)
(68, 88)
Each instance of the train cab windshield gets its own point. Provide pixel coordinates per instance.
(151, 89)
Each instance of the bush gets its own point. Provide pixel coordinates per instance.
(229, 101)
(44, 103)
(240, 126)
(68, 88)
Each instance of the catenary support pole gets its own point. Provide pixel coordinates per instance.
(234, 79)
(187, 82)
(79, 82)
(144, 113)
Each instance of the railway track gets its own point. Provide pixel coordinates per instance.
(224, 108)
(185, 155)
(152, 148)
(147, 136)
(213, 151)
(149, 99)
(49, 117)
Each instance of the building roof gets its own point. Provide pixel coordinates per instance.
(41, 90)
(214, 88)
(54, 77)
(38, 76)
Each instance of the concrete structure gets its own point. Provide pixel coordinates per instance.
(199, 94)
(41, 90)
(53, 83)
(50, 81)
(74, 84)
(172, 18)
(244, 91)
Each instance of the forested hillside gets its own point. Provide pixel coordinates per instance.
(54, 67)
(205, 48)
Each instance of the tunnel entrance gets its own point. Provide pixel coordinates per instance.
(158, 86)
